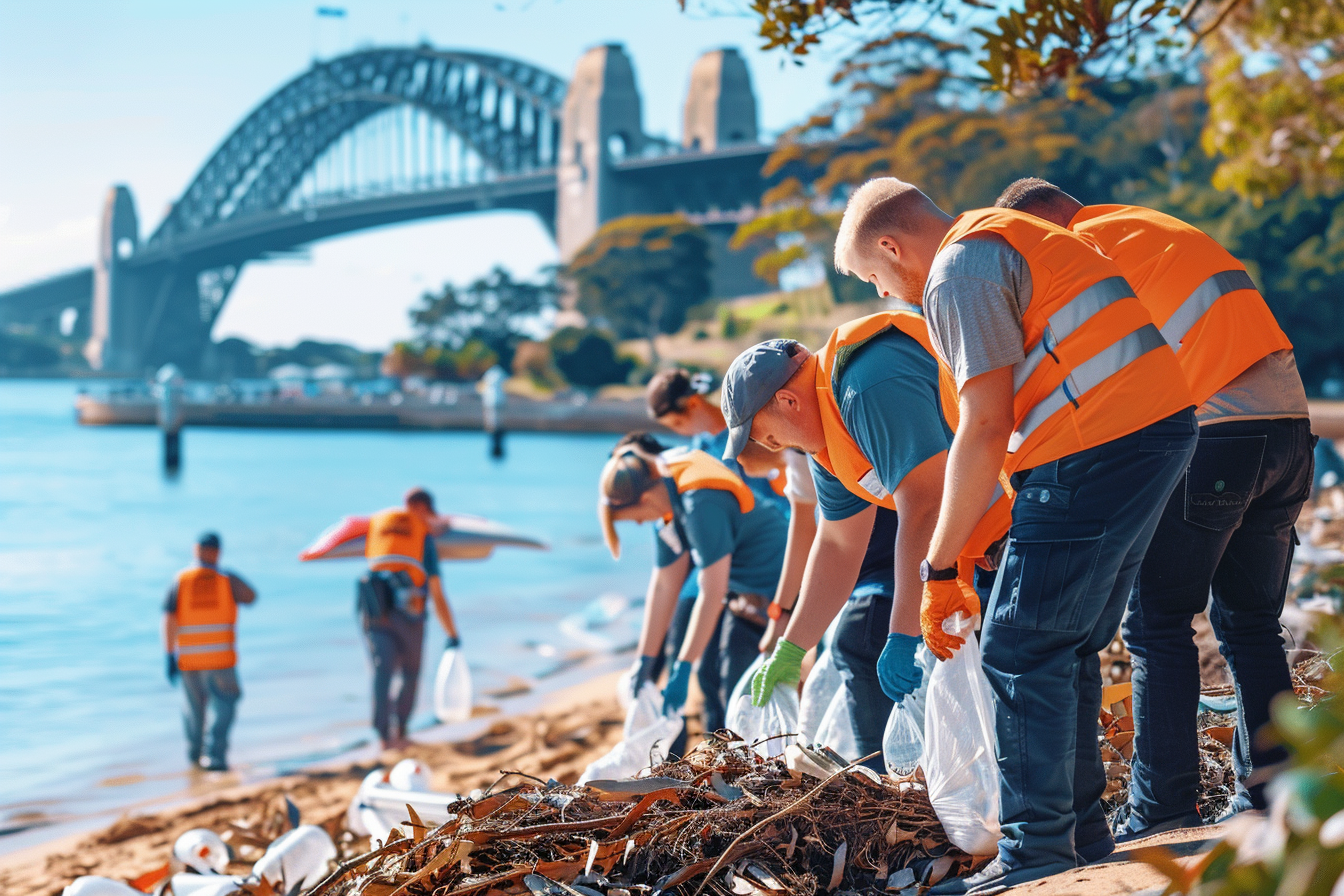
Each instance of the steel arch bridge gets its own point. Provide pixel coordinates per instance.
(375, 137)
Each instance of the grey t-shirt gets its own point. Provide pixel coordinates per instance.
(1269, 389)
(976, 293)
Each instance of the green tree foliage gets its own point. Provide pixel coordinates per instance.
(1273, 67)
(495, 310)
(465, 364)
(639, 274)
(587, 358)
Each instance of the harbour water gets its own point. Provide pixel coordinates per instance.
(91, 534)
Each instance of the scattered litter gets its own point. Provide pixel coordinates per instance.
(202, 851)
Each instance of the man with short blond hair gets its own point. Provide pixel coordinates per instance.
(1064, 385)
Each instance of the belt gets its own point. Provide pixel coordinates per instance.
(749, 607)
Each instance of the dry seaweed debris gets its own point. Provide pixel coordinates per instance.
(721, 820)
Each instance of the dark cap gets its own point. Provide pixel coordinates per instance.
(625, 479)
(208, 540)
(754, 376)
(419, 495)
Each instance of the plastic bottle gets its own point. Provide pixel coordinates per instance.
(202, 851)
(452, 687)
(409, 774)
(298, 858)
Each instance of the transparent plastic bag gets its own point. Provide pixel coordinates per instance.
(959, 746)
(823, 683)
(903, 739)
(761, 726)
(452, 687)
(647, 735)
(743, 686)
(837, 726)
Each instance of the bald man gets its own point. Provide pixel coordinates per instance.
(1063, 384)
(1228, 526)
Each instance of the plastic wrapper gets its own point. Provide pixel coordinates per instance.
(959, 746)
(768, 728)
(648, 734)
(823, 683)
(452, 687)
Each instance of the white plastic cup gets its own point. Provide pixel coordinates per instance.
(298, 858)
(202, 851)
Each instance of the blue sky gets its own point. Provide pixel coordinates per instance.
(111, 91)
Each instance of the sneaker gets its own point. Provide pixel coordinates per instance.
(995, 878)
(1129, 832)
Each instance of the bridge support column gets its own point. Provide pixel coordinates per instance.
(602, 122)
(113, 339)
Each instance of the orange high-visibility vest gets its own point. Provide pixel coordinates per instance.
(1096, 367)
(843, 458)
(691, 468)
(396, 543)
(1200, 297)
(206, 615)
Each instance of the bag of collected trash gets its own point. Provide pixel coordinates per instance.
(819, 691)
(959, 745)
(903, 739)
(298, 858)
(646, 737)
(762, 726)
(837, 725)
(452, 687)
(743, 686)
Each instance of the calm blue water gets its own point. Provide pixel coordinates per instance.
(91, 535)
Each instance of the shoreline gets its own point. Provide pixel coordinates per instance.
(193, 788)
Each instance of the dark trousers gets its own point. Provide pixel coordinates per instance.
(860, 635)
(1228, 526)
(394, 648)
(731, 649)
(217, 691)
(1081, 525)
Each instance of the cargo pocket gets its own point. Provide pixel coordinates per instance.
(1221, 480)
(1048, 572)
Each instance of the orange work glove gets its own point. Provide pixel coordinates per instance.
(941, 600)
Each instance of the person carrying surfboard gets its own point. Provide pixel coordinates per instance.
(403, 570)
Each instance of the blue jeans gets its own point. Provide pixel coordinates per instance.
(217, 690)
(860, 635)
(395, 646)
(1081, 525)
(1229, 527)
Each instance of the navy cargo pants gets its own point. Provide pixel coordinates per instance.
(1229, 526)
(395, 644)
(1081, 525)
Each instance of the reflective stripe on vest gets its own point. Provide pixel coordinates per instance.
(396, 543)
(691, 468)
(1087, 376)
(205, 618)
(1095, 366)
(1199, 295)
(1197, 304)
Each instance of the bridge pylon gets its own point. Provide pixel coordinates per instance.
(112, 337)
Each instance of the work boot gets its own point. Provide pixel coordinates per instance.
(995, 878)
(1134, 828)
(1091, 853)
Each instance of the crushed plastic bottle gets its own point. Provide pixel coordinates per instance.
(202, 851)
(298, 858)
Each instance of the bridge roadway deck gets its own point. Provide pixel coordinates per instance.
(519, 415)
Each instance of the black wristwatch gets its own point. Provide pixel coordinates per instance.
(928, 574)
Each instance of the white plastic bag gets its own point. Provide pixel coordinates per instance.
(91, 885)
(762, 726)
(647, 735)
(743, 686)
(452, 687)
(823, 683)
(903, 739)
(298, 858)
(837, 726)
(959, 746)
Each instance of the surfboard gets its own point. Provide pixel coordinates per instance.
(465, 537)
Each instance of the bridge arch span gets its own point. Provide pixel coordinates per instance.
(506, 110)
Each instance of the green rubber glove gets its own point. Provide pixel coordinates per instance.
(785, 666)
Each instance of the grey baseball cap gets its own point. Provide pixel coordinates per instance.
(754, 376)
